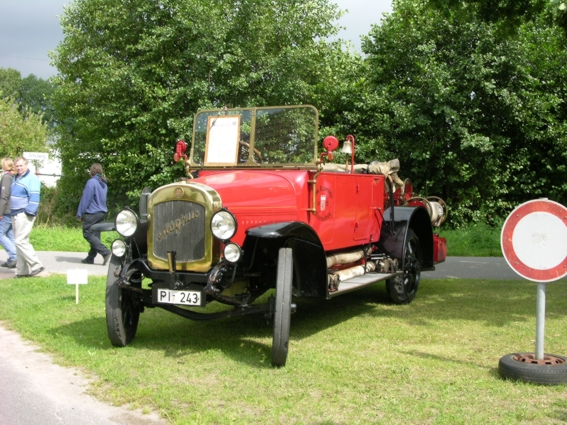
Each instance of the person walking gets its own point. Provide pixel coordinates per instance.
(92, 210)
(6, 231)
(24, 204)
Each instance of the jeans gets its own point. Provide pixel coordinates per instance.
(7, 237)
(92, 237)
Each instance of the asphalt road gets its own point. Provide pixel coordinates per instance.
(34, 391)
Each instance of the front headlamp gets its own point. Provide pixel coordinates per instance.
(232, 253)
(118, 248)
(223, 225)
(126, 223)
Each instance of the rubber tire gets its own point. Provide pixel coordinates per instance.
(282, 316)
(533, 373)
(122, 315)
(402, 289)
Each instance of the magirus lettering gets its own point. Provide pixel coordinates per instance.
(175, 226)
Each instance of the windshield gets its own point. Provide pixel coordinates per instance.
(255, 137)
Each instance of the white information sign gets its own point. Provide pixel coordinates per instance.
(223, 137)
(77, 277)
(36, 156)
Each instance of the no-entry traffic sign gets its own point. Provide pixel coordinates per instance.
(534, 240)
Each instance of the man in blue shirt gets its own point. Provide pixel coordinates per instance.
(92, 210)
(24, 203)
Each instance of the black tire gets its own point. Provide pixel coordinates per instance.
(402, 289)
(282, 316)
(511, 367)
(122, 311)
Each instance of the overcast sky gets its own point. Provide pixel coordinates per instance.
(29, 28)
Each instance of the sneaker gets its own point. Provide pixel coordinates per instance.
(10, 264)
(36, 272)
(106, 258)
(22, 275)
(87, 261)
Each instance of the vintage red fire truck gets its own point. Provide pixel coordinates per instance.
(263, 218)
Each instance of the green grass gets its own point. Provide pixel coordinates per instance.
(65, 239)
(476, 240)
(353, 360)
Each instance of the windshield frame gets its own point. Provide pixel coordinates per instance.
(296, 134)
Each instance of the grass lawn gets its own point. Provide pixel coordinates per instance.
(353, 360)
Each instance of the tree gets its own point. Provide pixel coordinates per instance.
(512, 12)
(36, 94)
(507, 14)
(132, 73)
(478, 119)
(10, 82)
(29, 93)
(20, 131)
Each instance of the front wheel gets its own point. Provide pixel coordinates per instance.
(282, 316)
(403, 288)
(122, 310)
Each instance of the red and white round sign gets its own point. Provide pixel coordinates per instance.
(534, 240)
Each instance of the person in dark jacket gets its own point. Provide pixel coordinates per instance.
(92, 210)
(6, 231)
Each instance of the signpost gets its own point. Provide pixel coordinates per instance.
(534, 243)
(77, 277)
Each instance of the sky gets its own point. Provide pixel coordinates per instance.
(30, 28)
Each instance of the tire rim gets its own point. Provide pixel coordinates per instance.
(411, 272)
(531, 359)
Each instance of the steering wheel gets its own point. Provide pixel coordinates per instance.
(245, 152)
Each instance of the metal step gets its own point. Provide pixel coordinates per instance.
(360, 282)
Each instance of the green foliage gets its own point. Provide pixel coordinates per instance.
(30, 93)
(132, 75)
(475, 240)
(20, 130)
(507, 12)
(10, 82)
(56, 209)
(475, 119)
(508, 15)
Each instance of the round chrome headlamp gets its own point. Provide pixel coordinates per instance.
(232, 253)
(223, 225)
(118, 248)
(126, 223)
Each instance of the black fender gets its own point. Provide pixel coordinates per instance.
(262, 244)
(103, 226)
(392, 238)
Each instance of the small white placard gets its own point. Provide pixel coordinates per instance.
(77, 277)
(222, 140)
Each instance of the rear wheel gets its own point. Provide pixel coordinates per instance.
(122, 310)
(403, 288)
(282, 316)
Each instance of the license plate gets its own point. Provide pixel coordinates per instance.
(169, 296)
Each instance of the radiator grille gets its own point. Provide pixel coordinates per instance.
(179, 226)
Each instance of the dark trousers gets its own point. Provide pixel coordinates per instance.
(93, 237)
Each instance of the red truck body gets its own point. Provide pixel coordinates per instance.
(261, 211)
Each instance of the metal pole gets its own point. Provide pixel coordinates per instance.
(540, 320)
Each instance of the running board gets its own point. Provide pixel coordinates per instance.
(360, 282)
